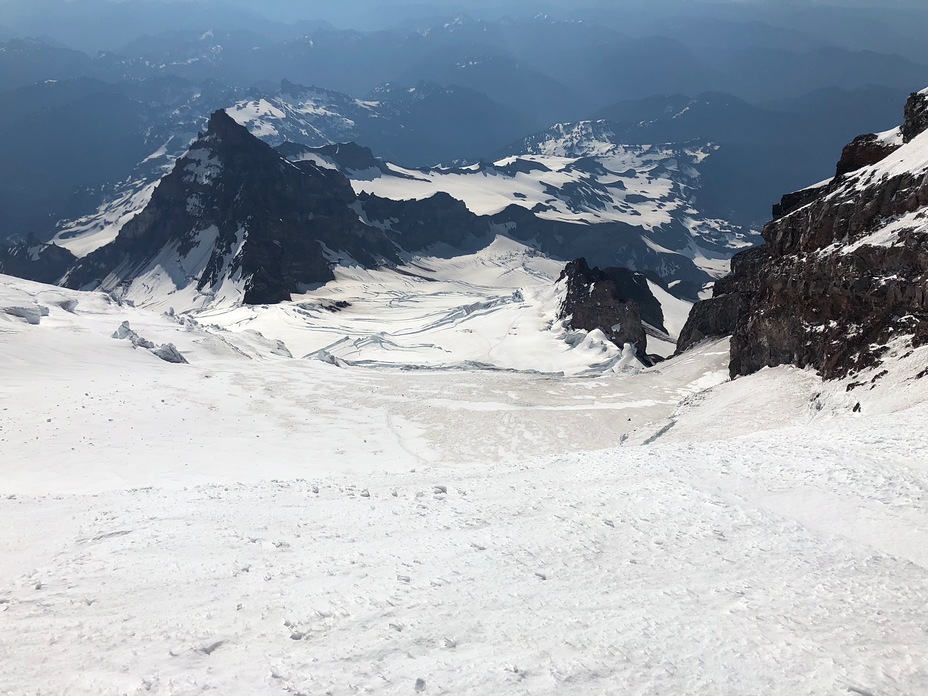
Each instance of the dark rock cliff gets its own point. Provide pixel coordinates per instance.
(272, 221)
(844, 270)
(864, 151)
(616, 301)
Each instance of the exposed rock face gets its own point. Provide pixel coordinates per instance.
(591, 205)
(235, 210)
(864, 151)
(614, 300)
(842, 274)
(719, 315)
(916, 116)
(44, 263)
(238, 221)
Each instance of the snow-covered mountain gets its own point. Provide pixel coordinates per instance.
(424, 123)
(841, 283)
(614, 191)
(131, 132)
(236, 221)
(305, 115)
(233, 222)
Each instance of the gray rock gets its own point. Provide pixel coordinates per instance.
(169, 353)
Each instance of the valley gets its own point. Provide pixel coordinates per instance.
(463, 348)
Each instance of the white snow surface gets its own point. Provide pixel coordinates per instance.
(314, 116)
(494, 307)
(648, 187)
(629, 174)
(87, 234)
(911, 158)
(254, 523)
(888, 235)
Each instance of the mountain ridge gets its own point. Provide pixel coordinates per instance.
(841, 281)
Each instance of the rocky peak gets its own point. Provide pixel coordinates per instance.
(613, 300)
(291, 89)
(234, 213)
(864, 151)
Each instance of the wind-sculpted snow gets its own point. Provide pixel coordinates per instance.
(252, 523)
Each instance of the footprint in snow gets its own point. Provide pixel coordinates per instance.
(211, 648)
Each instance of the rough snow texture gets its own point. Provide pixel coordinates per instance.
(496, 308)
(253, 523)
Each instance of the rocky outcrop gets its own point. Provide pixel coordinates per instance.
(835, 313)
(616, 301)
(841, 275)
(864, 151)
(238, 221)
(731, 296)
(916, 116)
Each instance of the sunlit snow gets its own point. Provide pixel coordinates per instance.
(253, 522)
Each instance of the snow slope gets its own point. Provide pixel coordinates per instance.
(255, 523)
(313, 116)
(648, 189)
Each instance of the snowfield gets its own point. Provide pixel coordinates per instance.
(361, 522)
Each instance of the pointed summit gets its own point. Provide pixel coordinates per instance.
(221, 124)
(233, 222)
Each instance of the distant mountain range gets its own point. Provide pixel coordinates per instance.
(237, 221)
(84, 139)
(761, 148)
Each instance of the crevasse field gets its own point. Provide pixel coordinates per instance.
(439, 489)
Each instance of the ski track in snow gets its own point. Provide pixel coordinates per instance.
(255, 524)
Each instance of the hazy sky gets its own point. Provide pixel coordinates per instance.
(92, 25)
